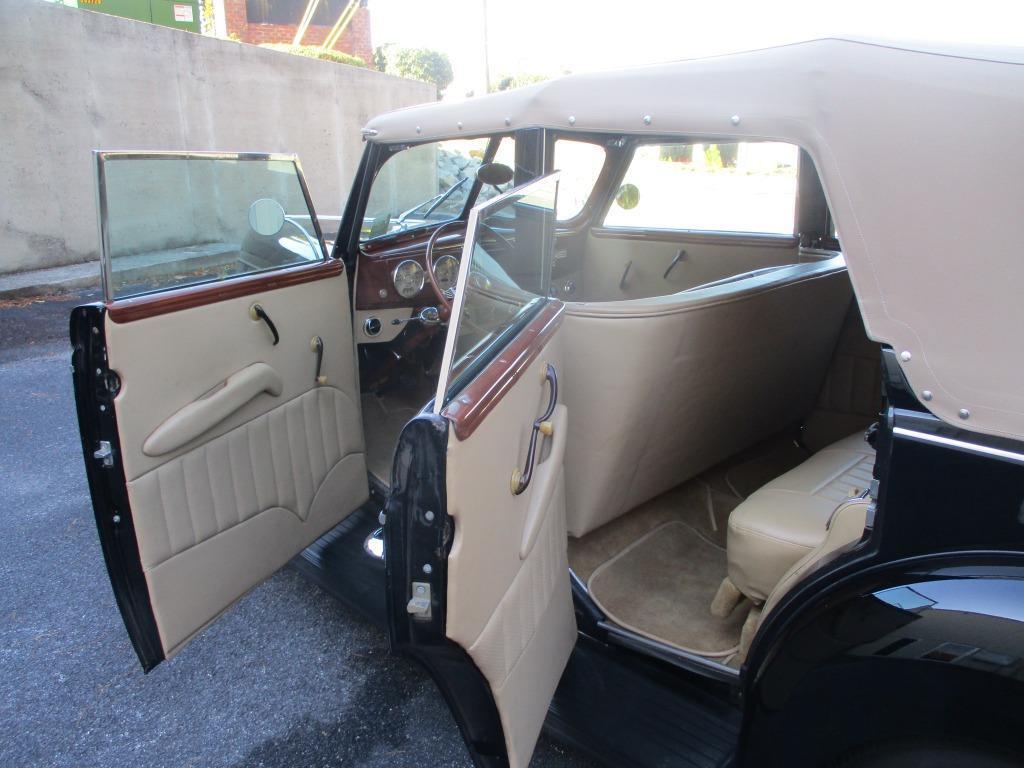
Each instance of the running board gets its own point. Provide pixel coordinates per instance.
(626, 710)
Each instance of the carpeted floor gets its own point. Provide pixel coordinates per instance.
(656, 568)
(383, 421)
(661, 586)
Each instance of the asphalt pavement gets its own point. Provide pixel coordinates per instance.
(288, 677)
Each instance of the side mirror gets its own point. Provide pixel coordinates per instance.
(266, 217)
(494, 174)
(628, 197)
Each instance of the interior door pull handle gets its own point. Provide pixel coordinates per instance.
(625, 276)
(317, 345)
(680, 255)
(542, 426)
(256, 312)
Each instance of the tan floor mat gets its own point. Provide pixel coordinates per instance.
(661, 586)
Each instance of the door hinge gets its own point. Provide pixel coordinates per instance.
(104, 454)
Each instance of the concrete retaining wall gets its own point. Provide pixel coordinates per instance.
(72, 81)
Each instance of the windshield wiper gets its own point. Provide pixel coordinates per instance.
(434, 202)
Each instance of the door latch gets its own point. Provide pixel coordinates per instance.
(419, 604)
(104, 454)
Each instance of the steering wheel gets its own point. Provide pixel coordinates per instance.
(442, 296)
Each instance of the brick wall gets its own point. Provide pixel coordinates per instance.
(355, 40)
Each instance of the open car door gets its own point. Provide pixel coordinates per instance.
(216, 385)
(478, 575)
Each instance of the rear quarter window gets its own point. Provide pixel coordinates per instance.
(747, 187)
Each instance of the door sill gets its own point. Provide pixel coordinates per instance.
(595, 623)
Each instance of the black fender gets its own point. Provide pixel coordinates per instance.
(929, 647)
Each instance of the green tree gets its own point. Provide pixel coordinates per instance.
(421, 64)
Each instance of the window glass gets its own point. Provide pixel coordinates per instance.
(428, 184)
(175, 221)
(580, 164)
(740, 187)
(510, 242)
(289, 12)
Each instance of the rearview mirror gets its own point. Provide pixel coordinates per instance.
(494, 174)
(628, 197)
(266, 217)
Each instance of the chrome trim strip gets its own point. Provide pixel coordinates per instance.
(963, 445)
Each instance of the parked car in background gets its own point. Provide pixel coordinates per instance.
(685, 420)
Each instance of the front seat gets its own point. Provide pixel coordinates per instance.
(786, 519)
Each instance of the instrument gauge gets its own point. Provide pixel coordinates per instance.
(446, 271)
(408, 278)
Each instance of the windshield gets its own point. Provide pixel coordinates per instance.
(428, 184)
(505, 273)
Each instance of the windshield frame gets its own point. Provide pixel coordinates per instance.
(391, 150)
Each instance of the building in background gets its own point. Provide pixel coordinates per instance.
(276, 21)
(179, 14)
(248, 21)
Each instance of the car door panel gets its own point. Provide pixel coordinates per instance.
(623, 264)
(508, 601)
(217, 514)
(217, 388)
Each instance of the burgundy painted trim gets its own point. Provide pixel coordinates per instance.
(468, 410)
(128, 310)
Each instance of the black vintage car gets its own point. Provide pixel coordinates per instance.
(679, 411)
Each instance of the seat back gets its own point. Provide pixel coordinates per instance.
(665, 387)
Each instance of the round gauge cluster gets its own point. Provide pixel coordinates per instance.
(446, 272)
(408, 278)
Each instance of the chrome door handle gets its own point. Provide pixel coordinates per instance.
(543, 425)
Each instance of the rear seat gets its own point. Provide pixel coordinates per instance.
(782, 522)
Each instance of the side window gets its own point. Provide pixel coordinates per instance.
(747, 187)
(171, 221)
(510, 243)
(580, 163)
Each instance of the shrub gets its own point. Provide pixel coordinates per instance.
(316, 52)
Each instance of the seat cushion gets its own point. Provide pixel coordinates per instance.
(785, 519)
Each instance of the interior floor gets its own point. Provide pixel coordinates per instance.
(384, 416)
(655, 570)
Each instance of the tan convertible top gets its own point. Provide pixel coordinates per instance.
(921, 153)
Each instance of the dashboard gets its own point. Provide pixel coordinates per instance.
(394, 276)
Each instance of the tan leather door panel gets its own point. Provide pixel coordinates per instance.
(509, 601)
(235, 457)
(607, 256)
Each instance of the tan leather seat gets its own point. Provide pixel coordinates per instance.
(783, 521)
